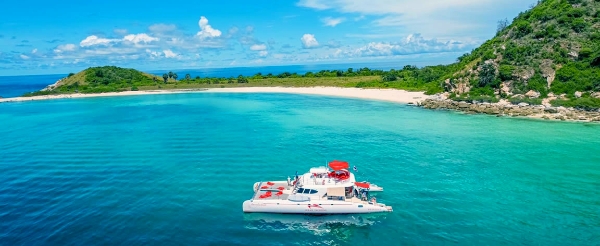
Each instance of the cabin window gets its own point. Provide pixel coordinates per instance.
(300, 190)
(360, 206)
(307, 191)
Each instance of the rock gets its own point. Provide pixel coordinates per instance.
(462, 88)
(532, 94)
(573, 54)
(463, 105)
(596, 95)
(551, 110)
(523, 104)
(578, 94)
(506, 87)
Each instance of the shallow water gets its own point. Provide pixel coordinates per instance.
(175, 169)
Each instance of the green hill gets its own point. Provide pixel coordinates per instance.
(98, 80)
(551, 50)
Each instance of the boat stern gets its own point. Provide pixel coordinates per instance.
(246, 206)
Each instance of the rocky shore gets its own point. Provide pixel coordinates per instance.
(505, 108)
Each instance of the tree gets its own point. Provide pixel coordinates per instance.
(175, 76)
(188, 76)
(242, 79)
(502, 24)
(165, 77)
(170, 74)
(154, 79)
(487, 75)
(388, 77)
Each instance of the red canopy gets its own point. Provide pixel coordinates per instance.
(338, 165)
(362, 185)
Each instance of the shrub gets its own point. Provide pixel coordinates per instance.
(522, 28)
(506, 72)
(585, 103)
(389, 77)
(579, 25)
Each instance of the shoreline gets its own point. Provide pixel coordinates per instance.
(523, 110)
(389, 95)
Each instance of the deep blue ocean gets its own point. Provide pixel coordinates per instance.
(175, 169)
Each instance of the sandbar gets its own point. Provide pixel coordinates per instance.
(390, 95)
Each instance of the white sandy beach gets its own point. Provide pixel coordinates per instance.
(391, 95)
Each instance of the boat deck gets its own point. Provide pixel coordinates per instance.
(264, 188)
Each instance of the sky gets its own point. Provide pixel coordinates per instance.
(49, 37)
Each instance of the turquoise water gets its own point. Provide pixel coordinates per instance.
(175, 169)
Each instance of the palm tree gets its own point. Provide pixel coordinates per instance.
(188, 76)
(175, 76)
(165, 77)
(170, 74)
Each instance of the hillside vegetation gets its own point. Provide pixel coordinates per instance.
(549, 51)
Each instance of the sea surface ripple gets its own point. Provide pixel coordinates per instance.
(175, 169)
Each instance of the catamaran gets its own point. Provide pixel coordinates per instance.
(322, 190)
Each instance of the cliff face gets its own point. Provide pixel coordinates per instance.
(549, 51)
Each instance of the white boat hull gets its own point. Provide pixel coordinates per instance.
(312, 207)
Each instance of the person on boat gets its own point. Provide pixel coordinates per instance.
(289, 181)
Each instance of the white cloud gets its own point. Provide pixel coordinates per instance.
(162, 28)
(24, 57)
(34, 51)
(153, 54)
(332, 22)
(315, 4)
(64, 48)
(257, 47)
(333, 44)
(432, 17)
(139, 38)
(121, 32)
(95, 40)
(263, 53)
(233, 31)
(309, 41)
(206, 31)
(412, 44)
(170, 54)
